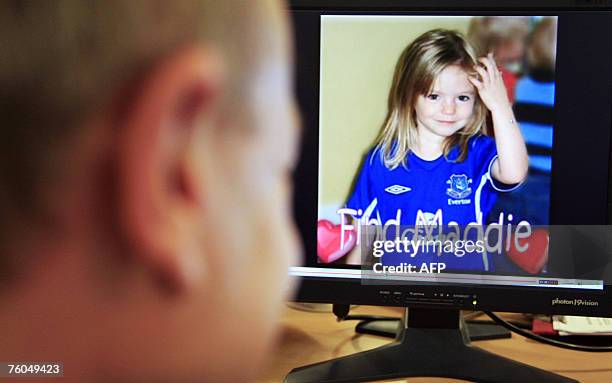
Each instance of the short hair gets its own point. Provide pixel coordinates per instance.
(63, 59)
(542, 45)
(415, 72)
(488, 32)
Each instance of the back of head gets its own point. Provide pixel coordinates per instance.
(502, 35)
(542, 46)
(144, 201)
(64, 60)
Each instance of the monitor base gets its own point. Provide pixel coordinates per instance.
(389, 329)
(432, 343)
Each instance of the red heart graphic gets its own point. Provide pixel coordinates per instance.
(328, 241)
(533, 259)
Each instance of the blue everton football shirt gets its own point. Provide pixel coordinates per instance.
(441, 192)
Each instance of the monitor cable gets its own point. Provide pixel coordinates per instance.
(341, 312)
(543, 339)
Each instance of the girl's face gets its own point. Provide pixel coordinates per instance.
(449, 106)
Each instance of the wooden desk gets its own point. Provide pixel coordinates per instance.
(310, 337)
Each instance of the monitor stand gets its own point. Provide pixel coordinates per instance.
(433, 342)
(389, 329)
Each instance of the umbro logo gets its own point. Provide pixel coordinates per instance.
(397, 189)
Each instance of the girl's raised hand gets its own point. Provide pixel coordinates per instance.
(491, 86)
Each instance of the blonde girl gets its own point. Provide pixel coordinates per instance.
(434, 161)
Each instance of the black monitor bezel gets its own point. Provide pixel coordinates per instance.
(493, 298)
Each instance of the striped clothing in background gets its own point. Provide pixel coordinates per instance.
(534, 102)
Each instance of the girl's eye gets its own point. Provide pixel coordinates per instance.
(433, 96)
(464, 98)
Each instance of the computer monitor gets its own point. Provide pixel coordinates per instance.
(401, 134)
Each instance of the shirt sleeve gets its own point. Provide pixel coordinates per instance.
(485, 152)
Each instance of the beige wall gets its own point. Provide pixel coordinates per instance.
(358, 55)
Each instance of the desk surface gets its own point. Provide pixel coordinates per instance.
(310, 337)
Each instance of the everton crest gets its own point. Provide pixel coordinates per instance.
(459, 186)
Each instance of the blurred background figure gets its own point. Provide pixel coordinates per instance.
(535, 94)
(145, 161)
(505, 37)
(534, 110)
(534, 97)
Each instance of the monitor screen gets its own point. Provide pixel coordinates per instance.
(460, 154)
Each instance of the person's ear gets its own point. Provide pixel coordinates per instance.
(161, 203)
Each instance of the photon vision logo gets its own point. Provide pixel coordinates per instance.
(574, 302)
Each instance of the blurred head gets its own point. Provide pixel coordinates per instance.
(430, 90)
(504, 36)
(146, 177)
(542, 46)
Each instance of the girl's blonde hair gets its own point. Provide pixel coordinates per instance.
(417, 68)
